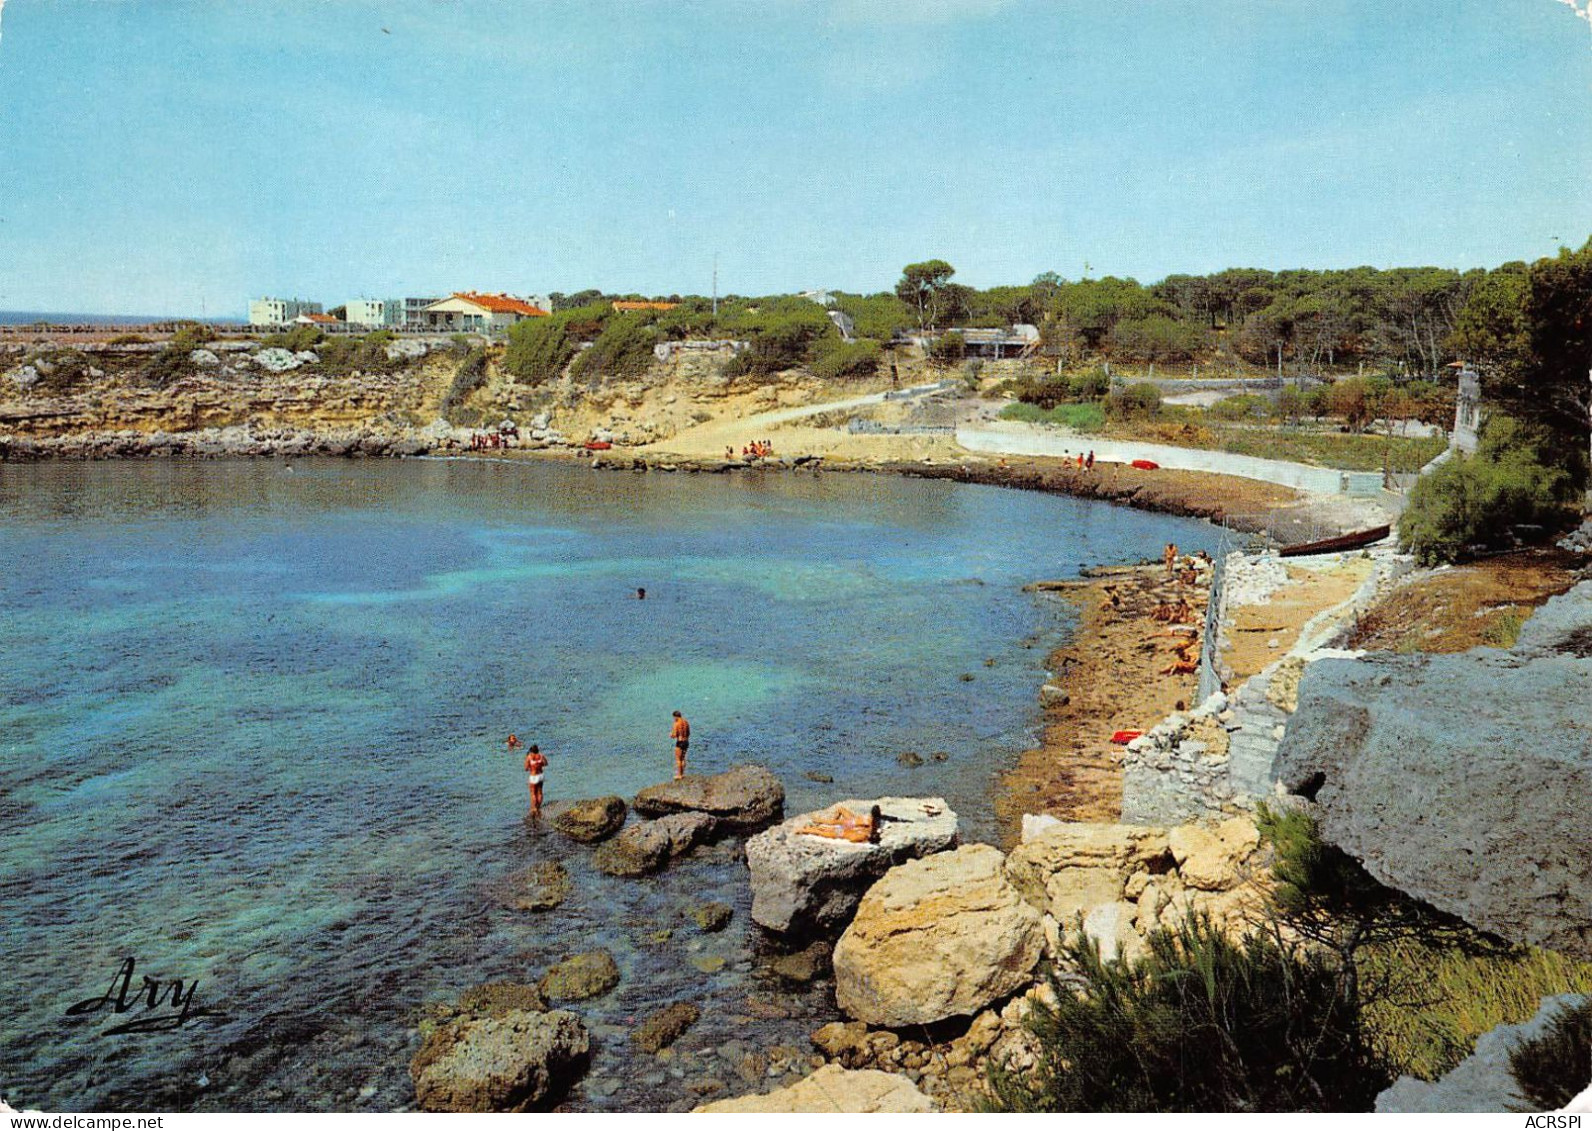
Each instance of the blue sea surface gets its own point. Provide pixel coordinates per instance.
(252, 721)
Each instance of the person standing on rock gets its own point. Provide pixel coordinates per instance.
(535, 771)
(681, 733)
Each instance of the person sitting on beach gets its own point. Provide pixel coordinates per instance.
(535, 771)
(843, 824)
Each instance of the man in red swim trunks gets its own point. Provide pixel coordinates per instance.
(682, 740)
(535, 771)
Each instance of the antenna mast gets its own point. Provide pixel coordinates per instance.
(715, 284)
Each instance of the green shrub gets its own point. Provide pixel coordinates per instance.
(948, 349)
(1554, 1068)
(296, 339)
(343, 354)
(835, 360)
(1201, 1023)
(1157, 338)
(538, 349)
(191, 335)
(1085, 417)
(1244, 406)
(470, 376)
(622, 349)
(783, 344)
(1511, 480)
(1140, 399)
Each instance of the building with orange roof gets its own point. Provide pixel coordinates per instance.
(315, 318)
(622, 304)
(478, 311)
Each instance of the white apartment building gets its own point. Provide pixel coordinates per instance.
(279, 311)
(375, 312)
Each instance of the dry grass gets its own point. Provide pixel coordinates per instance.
(1484, 603)
(1458, 997)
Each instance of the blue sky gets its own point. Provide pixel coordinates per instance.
(160, 156)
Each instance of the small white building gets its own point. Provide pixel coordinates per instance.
(375, 312)
(279, 311)
(481, 313)
(823, 297)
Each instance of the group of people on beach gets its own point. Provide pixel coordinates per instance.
(757, 449)
(536, 761)
(488, 441)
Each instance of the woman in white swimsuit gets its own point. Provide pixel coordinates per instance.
(535, 770)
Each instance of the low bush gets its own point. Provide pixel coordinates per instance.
(622, 349)
(538, 349)
(836, 360)
(470, 376)
(1244, 406)
(1202, 1023)
(1137, 401)
(1512, 480)
(1087, 417)
(296, 339)
(948, 349)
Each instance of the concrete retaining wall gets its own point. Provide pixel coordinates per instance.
(1009, 438)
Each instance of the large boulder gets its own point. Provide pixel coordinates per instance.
(593, 820)
(1212, 859)
(1069, 868)
(513, 1062)
(939, 937)
(744, 798)
(833, 1089)
(809, 883)
(1462, 779)
(646, 847)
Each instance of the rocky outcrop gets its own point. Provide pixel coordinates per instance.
(1124, 882)
(582, 976)
(1482, 1081)
(1461, 779)
(646, 847)
(1070, 868)
(593, 820)
(832, 1090)
(808, 883)
(513, 1062)
(743, 799)
(934, 938)
(540, 887)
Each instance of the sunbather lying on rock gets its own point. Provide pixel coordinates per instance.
(843, 824)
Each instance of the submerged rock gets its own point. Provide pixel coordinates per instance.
(593, 820)
(805, 965)
(540, 887)
(494, 999)
(939, 937)
(711, 917)
(646, 847)
(802, 882)
(512, 1062)
(582, 976)
(743, 799)
(668, 1025)
(833, 1089)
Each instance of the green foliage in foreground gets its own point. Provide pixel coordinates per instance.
(1083, 417)
(1347, 451)
(1551, 1070)
(1513, 479)
(1201, 1023)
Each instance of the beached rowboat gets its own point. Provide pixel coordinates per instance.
(1335, 545)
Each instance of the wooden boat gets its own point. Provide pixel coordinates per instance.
(1336, 545)
(1146, 465)
(597, 445)
(1123, 737)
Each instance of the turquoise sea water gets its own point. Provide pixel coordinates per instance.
(252, 721)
